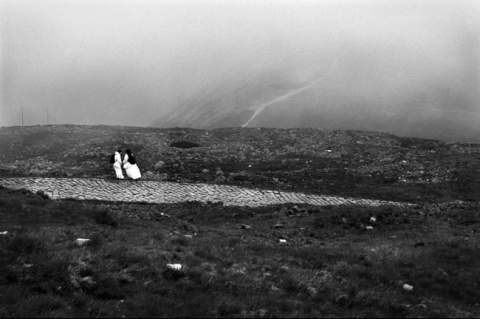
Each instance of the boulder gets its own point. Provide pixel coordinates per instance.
(81, 241)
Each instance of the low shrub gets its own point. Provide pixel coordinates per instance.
(108, 288)
(42, 194)
(180, 241)
(173, 274)
(184, 144)
(103, 217)
(41, 305)
(24, 244)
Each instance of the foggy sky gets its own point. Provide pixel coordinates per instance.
(130, 62)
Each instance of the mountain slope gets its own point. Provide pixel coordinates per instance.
(342, 90)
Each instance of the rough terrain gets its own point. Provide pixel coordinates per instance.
(352, 164)
(241, 223)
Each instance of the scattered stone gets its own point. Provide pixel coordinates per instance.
(205, 171)
(421, 305)
(87, 281)
(312, 291)
(159, 164)
(373, 219)
(443, 272)
(275, 288)
(245, 226)
(407, 287)
(266, 268)
(282, 241)
(369, 228)
(278, 226)
(81, 241)
(175, 266)
(4, 233)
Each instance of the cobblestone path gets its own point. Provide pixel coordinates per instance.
(169, 192)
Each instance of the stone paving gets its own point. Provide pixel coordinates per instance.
(169, 192)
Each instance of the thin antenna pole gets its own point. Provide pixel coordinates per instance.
(47, 115)
(22, 116)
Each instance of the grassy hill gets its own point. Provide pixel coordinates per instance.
(416, 261)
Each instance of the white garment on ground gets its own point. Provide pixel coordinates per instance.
(118, 166)
(132, 170)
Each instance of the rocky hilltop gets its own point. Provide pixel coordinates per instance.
(319, 161)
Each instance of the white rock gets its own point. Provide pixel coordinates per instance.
(4, 232)
(283, 241)
(175, 266)
(159, 164)
(407, 287)
(81, 241)
(373, 219)
(369, 228)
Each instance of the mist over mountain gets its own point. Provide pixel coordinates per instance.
(402, 66)
(411, 78)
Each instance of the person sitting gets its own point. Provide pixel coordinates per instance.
(117, 164)
(130, 165)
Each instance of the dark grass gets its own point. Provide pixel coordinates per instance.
(184, 144)
(331, 266)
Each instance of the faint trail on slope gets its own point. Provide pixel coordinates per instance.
(286, 96)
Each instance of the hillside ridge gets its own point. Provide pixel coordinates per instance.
(357, 164)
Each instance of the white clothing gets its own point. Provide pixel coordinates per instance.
(118, 166)
(132, 170)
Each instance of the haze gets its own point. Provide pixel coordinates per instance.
(134, 62)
